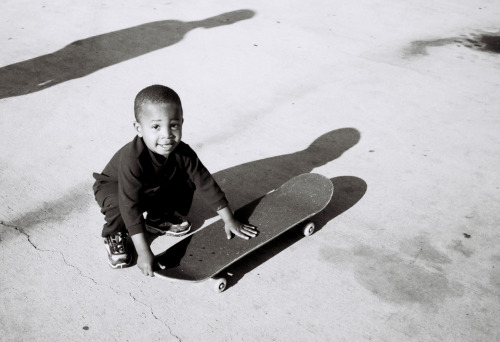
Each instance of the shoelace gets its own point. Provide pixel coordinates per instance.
(117, 244)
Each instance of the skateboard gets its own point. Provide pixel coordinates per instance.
(206, 253)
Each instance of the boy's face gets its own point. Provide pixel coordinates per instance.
(160, 126)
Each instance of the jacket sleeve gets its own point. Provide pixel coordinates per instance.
(129, 187)
(204, 181)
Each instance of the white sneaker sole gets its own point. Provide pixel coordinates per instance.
(124, 264)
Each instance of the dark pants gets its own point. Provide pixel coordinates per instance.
(175, 199)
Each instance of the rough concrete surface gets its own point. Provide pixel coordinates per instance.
(396, 101)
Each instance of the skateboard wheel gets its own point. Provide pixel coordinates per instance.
(308, 228)
(218, 284)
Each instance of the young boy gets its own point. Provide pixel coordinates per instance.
(155, 173)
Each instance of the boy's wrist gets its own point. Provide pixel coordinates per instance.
(226, 214)
(140, 244)
(145, 251)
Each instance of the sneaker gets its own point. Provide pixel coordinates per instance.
(116, 246)
(173, 225)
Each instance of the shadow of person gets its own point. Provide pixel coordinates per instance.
(86, 56)
(247, 182)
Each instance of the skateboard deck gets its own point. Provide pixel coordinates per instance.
(206, 253)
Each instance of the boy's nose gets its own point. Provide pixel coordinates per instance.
(166, 132)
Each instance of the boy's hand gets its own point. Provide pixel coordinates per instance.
(244, 231)
(145, 257)
(145, 263)
(233, 226)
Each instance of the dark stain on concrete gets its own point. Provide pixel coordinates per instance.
(458, 246)
(420, 247)
(57, 210)
(396, 278)
(487, 42)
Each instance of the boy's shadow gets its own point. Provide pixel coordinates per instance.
(86, 56)
(247, 183)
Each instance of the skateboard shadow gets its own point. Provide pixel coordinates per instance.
(348, 191)
(86, 56)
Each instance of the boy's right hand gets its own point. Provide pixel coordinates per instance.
(145, 263)
(145, 257)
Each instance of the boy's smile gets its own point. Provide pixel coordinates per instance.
(160, 126)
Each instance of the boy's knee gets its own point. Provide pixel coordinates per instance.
(107, 196)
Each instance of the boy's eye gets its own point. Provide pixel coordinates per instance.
(155, 126)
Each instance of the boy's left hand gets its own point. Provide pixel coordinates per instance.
(244, 231)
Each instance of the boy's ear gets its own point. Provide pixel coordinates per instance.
(138, 128)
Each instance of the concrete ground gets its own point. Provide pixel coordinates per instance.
(396, 101)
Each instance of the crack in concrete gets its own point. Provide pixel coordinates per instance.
(28, 237)
(156, 317)
(20, 230)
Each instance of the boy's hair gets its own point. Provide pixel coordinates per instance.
(155, 94)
